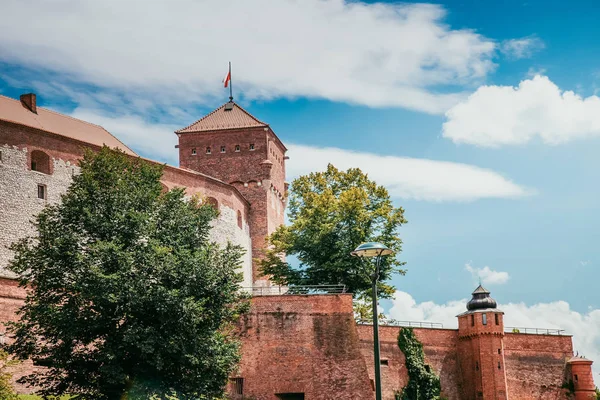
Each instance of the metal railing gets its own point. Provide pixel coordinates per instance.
(409, 324)
(295, 290)
(534, 331)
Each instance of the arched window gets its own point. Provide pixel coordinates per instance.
(213, 202)
(40, 162)
(239, 219)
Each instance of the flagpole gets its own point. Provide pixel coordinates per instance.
(230, 84)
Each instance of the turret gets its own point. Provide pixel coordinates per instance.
(481, 348)
(582, 377)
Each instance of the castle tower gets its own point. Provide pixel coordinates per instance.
(235, 147)
(582, 377)
(481, 349)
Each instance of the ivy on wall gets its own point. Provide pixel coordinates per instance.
(422, 383)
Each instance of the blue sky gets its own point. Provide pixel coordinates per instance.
(481, 117)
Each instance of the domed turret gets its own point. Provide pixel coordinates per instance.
(481, 300)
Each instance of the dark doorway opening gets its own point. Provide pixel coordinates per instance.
(290, 396)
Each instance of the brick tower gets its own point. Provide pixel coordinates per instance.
(235, 147)
(481, 349)
(582, 377)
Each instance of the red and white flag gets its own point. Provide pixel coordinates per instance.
(227, 78)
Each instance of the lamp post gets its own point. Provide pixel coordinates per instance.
(373, 249)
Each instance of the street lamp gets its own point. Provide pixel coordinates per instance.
(374, 249)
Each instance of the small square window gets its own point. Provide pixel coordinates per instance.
(384, 361)
(208, 150)
(499, 351)
(222, 149)
(41, 192)
(237, 147)
(194, 151)
(251, 146)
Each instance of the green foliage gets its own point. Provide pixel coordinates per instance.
(130, 294)
(6, 390)
(422, 383)
(330, 214)
(363, 308)
(516, 330)
(597, 393)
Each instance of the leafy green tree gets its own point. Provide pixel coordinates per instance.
(6, 390)
(330, 214)
(128, 292)
(423, 384)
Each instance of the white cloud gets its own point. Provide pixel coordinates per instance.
(155, 141)
(522, 47)
(341, 50)
(409, 178)
(555, 315)
(506, 115)
(487, 275)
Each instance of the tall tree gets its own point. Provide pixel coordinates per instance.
(331, 213)
(128, 293)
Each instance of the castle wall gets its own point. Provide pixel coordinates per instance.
(536, 365)
(19, 200)
(439, 346)
(302, 344)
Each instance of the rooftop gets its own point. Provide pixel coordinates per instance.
(228, 116)
(12, 110)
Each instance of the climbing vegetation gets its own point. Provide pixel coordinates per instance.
(423, 384)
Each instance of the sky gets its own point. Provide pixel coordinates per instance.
(481, 118)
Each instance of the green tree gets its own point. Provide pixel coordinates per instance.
(330, 214)
(128, 292)
(6, 390)
(423, 384)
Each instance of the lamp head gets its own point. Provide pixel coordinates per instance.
(372, 249)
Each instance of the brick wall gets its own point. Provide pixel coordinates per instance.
(439, 346)
(302, 344)
(536, 365)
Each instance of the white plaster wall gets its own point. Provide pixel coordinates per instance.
(225, 229)
(19, 204)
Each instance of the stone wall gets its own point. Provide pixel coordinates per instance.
(19, 200)
(302, 344)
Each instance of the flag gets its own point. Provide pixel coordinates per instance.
(227, 78)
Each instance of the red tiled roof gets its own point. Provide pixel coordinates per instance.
(12, 110)
(221, 118)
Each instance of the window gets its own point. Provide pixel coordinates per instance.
(42, 192)
(194, 151)
(384, 361)
(476, 365)
(251, 146)
(237, 148)
(238, 386)
(0, 156)
(208, 150)
(40, 162)
(484, 319)
(222, 149)
(499, 351)
(239, 219)
(472, 320)
(499, 365)
(497, 319)
(576, 378)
